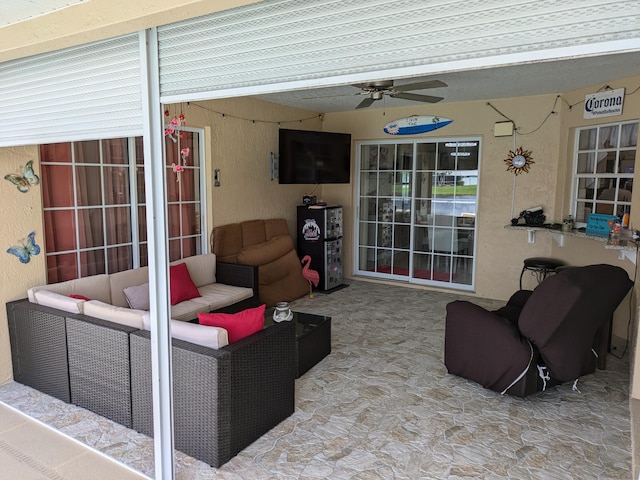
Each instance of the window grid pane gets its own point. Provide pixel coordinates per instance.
(604, 169)
(87, 202)
(438, 181)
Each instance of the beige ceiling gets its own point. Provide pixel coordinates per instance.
(553, 77)
(470, 85)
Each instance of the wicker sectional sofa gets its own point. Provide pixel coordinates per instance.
(224, 398)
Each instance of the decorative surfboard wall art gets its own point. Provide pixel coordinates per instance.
(23, 182)
(415, 125)
(28, 248)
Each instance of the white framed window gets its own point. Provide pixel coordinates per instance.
(603, 174)
(94, 205)
(186, 206)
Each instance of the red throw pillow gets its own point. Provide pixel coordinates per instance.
(238, 325)
(79, 297)
(181, 285)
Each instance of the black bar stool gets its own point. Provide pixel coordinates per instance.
(541, 266)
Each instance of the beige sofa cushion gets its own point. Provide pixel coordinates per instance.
(109, 302)
(121, 280)
(211, 337)
(55, 300)
(112, 313)
(202, 268)
(95, 287)
(188, 310)
(218, 295)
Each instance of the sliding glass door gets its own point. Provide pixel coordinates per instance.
(417, 211)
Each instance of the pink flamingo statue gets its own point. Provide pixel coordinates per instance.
(311, 275)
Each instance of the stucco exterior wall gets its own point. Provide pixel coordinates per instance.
(240, 146)
(496, 246)
(579, 251)
(21, 214)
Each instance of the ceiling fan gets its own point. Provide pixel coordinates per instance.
(377, 91)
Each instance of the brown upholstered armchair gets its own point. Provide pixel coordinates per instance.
(267, 245)
(540, 338)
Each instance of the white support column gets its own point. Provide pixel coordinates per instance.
(158, 249)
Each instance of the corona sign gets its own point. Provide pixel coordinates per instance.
(604, 104)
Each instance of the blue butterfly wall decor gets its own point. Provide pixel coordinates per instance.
(29, 247)
(24, 182)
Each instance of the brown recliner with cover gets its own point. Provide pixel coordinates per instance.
(267, 245)
(540, 338)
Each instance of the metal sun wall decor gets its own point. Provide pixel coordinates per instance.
(23, 182)
(28, 248)
(172, 131)
(519, 161)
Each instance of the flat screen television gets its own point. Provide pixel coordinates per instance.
(314, 157)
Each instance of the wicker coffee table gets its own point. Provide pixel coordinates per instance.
(313, 338)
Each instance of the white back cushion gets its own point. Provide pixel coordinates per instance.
(95, 287)
(55, 300)
(113, 313)
(211, 337)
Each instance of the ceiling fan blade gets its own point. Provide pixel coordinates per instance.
(419, 85)
(416, 98)
(365, 103)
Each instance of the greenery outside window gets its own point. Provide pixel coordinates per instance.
(417, 210)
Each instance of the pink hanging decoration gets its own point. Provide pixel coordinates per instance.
(177, 169)
(172, 131)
